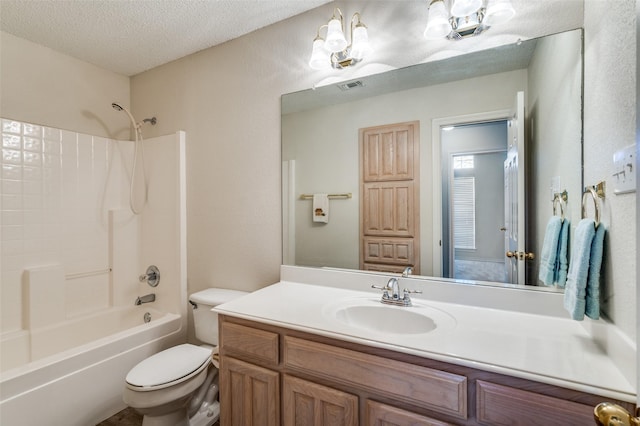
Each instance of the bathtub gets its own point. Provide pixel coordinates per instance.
(72, 373)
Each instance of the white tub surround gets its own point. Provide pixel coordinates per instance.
(72, 252)
(502, 333)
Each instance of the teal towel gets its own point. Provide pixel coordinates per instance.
(549, 255)
(560, 273)
(575, 291)
(592, 309)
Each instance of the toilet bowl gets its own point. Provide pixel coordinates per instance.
(177, 387)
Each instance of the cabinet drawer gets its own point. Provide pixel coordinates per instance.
(385, 415)
(504, 405)
(437, 390)
(244, 341)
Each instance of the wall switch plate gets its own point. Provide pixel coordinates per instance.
(624, 175)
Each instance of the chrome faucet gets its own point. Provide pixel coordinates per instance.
(407, 271)
(152, 276)
(391, 293)
(151, 297)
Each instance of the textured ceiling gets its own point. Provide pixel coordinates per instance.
(131, 36)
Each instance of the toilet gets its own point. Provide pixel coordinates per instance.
(177, 387)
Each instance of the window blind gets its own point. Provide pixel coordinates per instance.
(464, 212)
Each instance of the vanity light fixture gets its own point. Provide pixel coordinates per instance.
(465, 18)
(333, 51)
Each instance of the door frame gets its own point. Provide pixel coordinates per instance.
(436, 169)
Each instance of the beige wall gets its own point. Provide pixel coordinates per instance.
(609, 125)
(40, 85)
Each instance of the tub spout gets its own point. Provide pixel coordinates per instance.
(146, 299)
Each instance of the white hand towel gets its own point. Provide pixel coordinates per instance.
(320, 208)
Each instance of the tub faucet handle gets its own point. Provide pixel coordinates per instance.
(152, 277)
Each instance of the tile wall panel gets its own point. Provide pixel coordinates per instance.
(56, 188)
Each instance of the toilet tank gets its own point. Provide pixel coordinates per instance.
(206, 321)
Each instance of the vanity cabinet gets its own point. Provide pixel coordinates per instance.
(273, 375)
(308, 403)
(253, 394)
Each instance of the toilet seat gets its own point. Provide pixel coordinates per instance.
(168, 368)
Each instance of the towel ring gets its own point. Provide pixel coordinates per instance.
(594, 195)
(557, 201)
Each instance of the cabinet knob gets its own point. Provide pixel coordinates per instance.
(607, 414)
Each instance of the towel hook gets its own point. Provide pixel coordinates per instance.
(557, 201)
(594, 195)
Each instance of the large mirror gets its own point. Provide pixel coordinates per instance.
(464, 113)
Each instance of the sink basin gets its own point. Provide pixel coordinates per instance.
(368, 314)
(386, 319)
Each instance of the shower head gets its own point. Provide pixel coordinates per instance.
(137, 125)
(118, 107)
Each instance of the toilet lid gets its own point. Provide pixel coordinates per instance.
(168, 366)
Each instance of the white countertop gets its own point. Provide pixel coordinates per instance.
(543, 348)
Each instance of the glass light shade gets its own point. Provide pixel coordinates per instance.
(462, 8)
(335, 41)
(438, 25)
(360, 46)
(498, 12)
(319, 56)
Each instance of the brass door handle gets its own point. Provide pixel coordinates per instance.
(606, 414)
(521, 255)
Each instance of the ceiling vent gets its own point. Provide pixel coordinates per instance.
(351, 85)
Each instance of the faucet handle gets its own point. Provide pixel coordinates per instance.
(407, 292)
(385, 290)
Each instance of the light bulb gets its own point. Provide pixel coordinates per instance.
(319, 56)
(335, 41)
(498, 12)
(462, 8)
(360, 46)
(438, 25)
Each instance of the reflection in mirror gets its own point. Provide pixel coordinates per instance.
(322, 154)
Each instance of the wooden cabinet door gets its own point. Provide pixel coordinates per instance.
(249, 395)
(310, 404)
(385, 415)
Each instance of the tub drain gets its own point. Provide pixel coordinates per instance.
(147, 317)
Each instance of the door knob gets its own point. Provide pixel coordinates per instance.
(527, 256)
(521, 255)
(606, 414)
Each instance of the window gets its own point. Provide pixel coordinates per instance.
(463, 162)
(464, 212)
